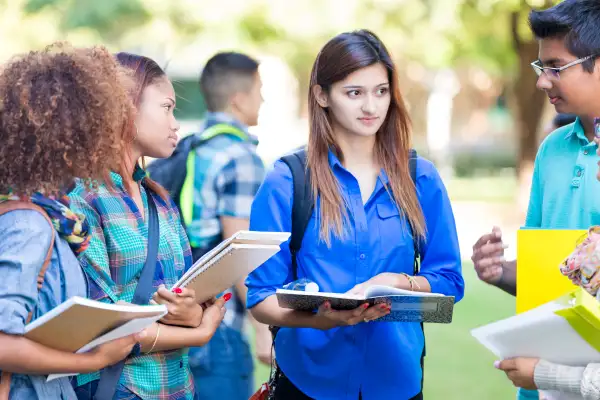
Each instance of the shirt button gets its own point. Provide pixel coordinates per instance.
(578, 172)
(362, 256)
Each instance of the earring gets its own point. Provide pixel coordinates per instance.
(136, 133)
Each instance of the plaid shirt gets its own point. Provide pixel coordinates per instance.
(228, 173)
(113, 262)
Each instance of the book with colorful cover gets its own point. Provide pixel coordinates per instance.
(407, 306)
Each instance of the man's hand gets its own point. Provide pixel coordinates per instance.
(488, 256)
(520, 371)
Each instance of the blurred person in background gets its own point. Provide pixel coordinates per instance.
(227, 174)
(559, 121)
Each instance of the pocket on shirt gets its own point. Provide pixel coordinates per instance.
(395, 238)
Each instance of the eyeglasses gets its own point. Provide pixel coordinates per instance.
(554, 73)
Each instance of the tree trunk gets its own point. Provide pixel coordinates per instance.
(528, 108)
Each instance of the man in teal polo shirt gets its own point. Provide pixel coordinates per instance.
(565, 193)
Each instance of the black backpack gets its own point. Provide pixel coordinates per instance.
(171, 172)
(303, 206)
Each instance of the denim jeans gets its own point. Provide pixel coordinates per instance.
(223, 368)
(87, 391)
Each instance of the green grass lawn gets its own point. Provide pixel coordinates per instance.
(501, 189)
(457, 367)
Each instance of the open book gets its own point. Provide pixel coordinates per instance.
(79, 325)
(407, 306)
(231, 261)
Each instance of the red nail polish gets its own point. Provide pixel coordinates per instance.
(365, 306)
(177, 290)
(383, 306)
(227, 297)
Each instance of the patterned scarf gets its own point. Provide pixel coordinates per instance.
(72, 227)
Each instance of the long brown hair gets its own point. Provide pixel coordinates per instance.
(341, 56)
(145, 72)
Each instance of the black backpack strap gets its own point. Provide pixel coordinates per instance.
(302, 205)
(412, 166)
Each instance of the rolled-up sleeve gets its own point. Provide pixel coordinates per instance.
(441, 263)
(24, 240)
(271, 212)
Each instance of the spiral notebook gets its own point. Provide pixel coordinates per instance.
(231, 261)
(79, 325)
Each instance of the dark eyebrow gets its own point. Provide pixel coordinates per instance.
(360, 87)
(552, 61)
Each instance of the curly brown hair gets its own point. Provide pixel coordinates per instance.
(63, 111)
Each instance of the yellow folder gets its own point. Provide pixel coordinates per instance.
(539, 255)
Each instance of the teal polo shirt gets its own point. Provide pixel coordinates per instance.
(565, 193)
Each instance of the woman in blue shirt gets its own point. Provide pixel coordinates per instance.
(359, 235)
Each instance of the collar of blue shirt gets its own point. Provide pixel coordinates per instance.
(577, 131)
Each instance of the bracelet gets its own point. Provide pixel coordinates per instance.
(155, 339)
(411, 281)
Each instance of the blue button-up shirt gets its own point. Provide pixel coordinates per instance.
(379, 359)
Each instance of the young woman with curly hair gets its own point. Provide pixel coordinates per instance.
(62, 113)
(119, 219)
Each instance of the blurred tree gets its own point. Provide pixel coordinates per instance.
(491, 34)
(113, 18)
(511, 49)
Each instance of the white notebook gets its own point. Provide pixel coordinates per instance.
(538, 333)
(79, 325)
(231, 261)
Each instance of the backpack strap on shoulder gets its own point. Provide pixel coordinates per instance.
(6, 207)
(412, 166)
(184, 196)
(302, 205)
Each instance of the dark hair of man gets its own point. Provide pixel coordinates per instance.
(575, 21)
(224, 75)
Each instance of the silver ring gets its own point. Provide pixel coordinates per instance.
(367, 320)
